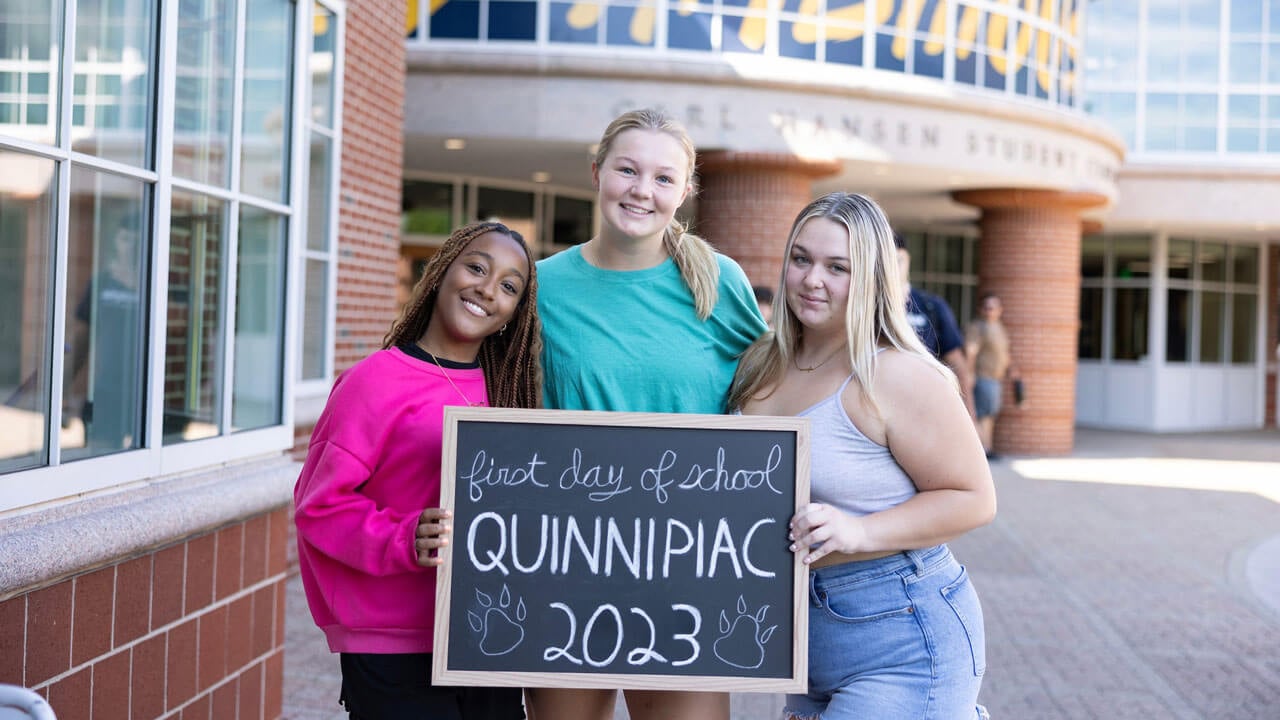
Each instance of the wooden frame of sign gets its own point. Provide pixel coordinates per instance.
(622, 550)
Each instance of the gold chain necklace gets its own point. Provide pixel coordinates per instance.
(465, 399)
(795, 361)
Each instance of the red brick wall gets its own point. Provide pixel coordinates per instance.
(194, 629)
(372, 165)
(746, 203)
(1030, 256)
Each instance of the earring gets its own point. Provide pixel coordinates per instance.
(503, 329)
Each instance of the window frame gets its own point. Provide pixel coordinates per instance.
(57, 480)
(309, 394)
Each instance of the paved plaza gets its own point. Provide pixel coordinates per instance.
(1137, 578)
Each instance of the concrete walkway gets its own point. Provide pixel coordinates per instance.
(1138, 578)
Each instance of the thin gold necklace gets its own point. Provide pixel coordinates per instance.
(465, 399)
(796, 361)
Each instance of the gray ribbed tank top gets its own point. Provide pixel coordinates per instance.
(847, 469)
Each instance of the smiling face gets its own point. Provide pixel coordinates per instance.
(641, 182)
(478, 295)
(817, 281)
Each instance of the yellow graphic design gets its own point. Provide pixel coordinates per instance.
(847, 20)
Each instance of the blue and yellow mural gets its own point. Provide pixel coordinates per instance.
(1026, 47)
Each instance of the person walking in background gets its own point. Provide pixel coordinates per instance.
(895, 625)
(369, 528)
(933, 321)
(642, 317)
(988, 344)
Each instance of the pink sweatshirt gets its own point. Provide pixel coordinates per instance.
(372, 467)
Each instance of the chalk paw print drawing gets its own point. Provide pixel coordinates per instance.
(742, 640)
(500, 633)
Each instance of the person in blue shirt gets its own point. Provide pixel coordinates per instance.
(643, 317)
(936, 325)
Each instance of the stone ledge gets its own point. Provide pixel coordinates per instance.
(43, 547)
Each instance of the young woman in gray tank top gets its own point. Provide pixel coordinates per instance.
(895, 627)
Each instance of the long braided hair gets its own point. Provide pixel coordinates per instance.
(511, 359)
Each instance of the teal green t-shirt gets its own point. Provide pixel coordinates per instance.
(632, 340)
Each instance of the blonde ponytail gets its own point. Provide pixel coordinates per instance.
(696, 260)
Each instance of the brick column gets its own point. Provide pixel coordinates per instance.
(747, 201)
(1029, 255)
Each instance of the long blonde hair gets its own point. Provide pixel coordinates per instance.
(875, 313)
(511, 359)
(692, 255)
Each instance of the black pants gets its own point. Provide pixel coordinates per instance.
(398, 687)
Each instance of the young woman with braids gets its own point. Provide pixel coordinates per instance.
(895, 627)
(642, 317)
(367, 516)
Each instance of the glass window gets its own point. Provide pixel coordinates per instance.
(319, 254)
(1093, 251)
(573, 223)
(629, 25)
(268, 54)
(315, 305)
(259, 320)
(1244, 109)
(1129, 329)
(1162, 121)
(568, 22)
(427, 208)
(510, 20)
(1200, 139)
(1203, 15)
(1213, 262)
(202, 106)
(318, 184)
(1244, 323)
(1200, 109)
(1090, 345)
(1244, 140)
(1246, 16)
(457, 19)
(106, 312)
(1245, 61)
(26, 248)
(30, 35)
(323, 41)
(945, 254)
(1213, 310)
(1200, 61)
(688, 30)
(207, 353)
(1132, 257)
(1164, 55)
(1244, 264)
(114, 79)
(193, 344)
(1180, 258)
(513, 208)
(1177, 325)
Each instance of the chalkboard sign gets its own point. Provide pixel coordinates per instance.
(622, 550)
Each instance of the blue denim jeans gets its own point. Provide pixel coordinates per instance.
(896, 638)
(986, 397)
